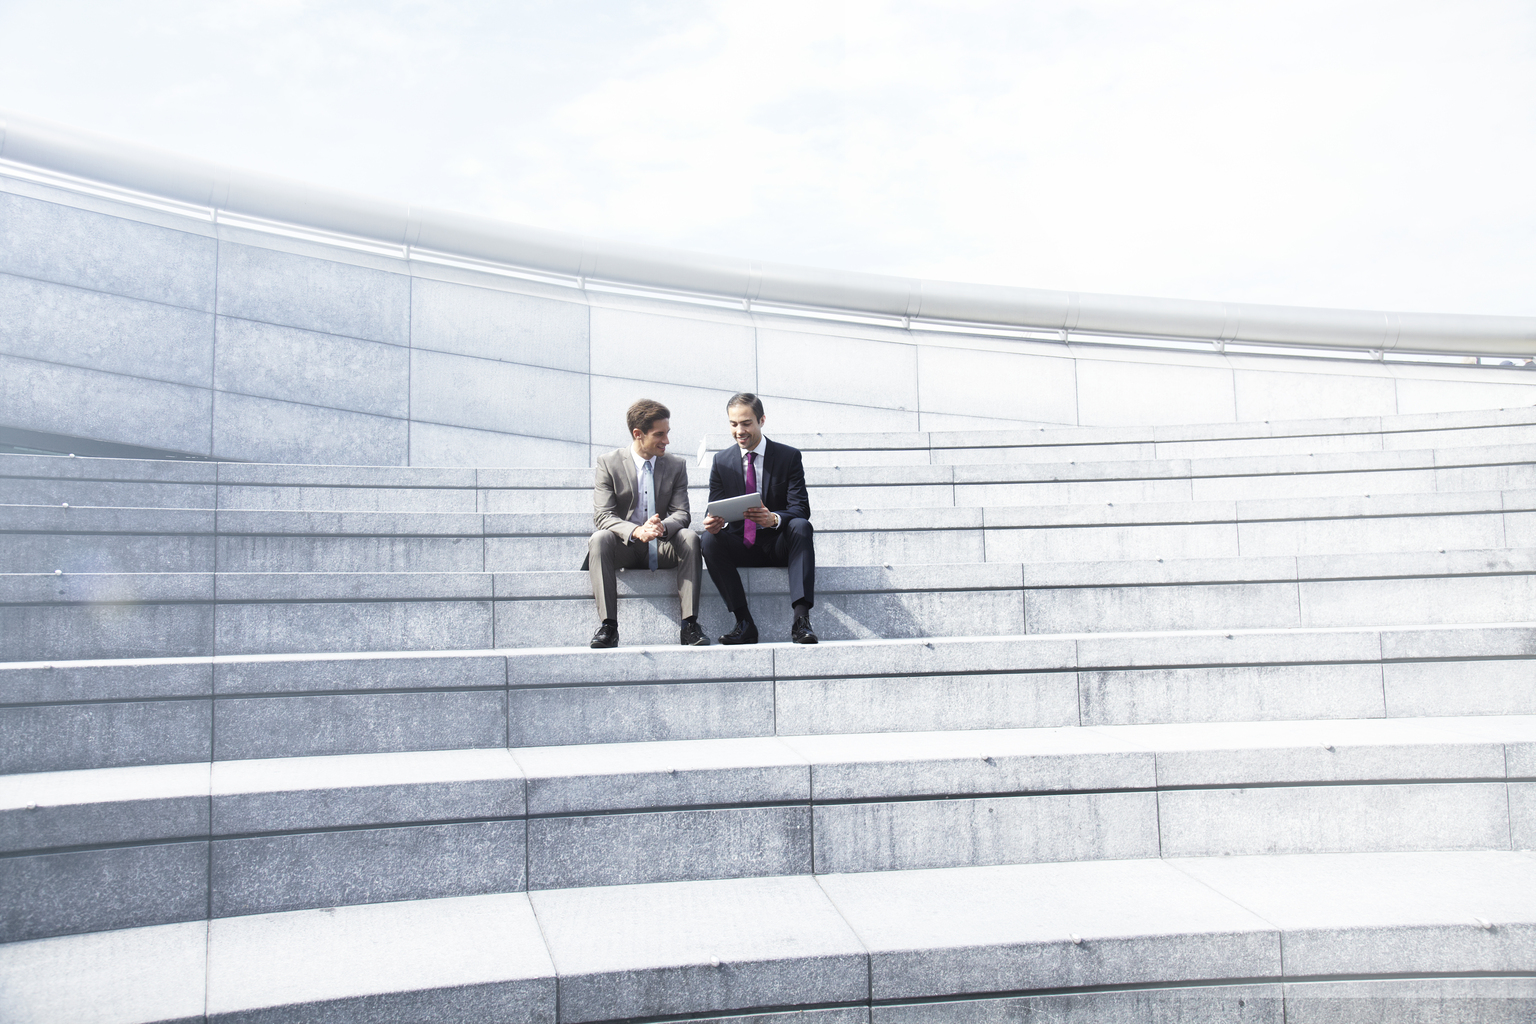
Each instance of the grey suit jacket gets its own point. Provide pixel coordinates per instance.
(615, 493)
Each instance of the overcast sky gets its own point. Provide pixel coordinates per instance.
(1340, 153)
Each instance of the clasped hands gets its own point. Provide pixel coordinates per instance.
(759, 515)
(649, 530)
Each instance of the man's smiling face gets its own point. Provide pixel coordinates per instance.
(746, 428)
(653, 442)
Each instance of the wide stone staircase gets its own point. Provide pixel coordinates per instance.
(1231, 722)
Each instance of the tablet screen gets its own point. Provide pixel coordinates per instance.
(733, 510)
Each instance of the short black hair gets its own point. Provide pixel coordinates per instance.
(748, 399)
(644, 414)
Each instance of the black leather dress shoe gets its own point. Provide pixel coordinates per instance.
(744, 633)
(607, 635)
(693, 636)
(800, 632)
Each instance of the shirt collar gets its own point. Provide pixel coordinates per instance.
(762, 446)
(639, 462)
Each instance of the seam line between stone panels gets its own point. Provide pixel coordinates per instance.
(208, 854)
(1296, 582)
(549, 951)
(1381, 668)
(111, 294)
(869, 959)
(591, 383)
(113, 373)
(324, 333)
(410, 356)
(773, 682)
(208, 945)
(1077, 402)
(313, 405)
(1509, 799)
(1176, 863)
(213, 363)
(1077, 676)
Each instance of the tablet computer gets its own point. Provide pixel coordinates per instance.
(733, 510)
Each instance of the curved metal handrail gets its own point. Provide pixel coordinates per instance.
(86, 155)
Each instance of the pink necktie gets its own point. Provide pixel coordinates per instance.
(749, 530)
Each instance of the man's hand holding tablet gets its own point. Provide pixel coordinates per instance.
(734, 510)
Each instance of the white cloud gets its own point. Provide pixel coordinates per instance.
(1344, 153)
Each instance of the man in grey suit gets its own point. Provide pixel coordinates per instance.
(640, 509)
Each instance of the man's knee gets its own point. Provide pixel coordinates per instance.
(686, 540)
(800, 528)
(601, 540)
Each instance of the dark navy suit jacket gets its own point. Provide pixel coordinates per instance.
(781, 479)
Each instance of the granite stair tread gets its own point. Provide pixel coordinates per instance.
(876, 940)
(1458, 420)
(1102, 714)
(1493, 457)
(90, 807)
(125, 615)
(62, 715)
(42, 539)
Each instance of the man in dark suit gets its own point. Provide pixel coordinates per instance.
(776, 533)
(640, 509)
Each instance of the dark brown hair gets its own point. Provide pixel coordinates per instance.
(644, 414)
(748, 399)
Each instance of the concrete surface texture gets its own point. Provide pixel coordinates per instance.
(1194, 723)
(1157, 685)
(131, 323)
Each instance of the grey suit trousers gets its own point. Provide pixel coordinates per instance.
(607, 554)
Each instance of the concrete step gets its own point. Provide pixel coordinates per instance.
(41, 539)
(1187, 939)
(127, 615)
(262, 836)
(850, 483)
(1179, 441)
(59, 716)
(1353, 474)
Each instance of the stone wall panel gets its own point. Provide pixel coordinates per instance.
(492, 324)
(510, 398)
(313, 294)
(55, 242)
(80, 402)
(76, 327)
(248, 429)
(327, 370)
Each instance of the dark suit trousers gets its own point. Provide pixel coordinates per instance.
(726, 554)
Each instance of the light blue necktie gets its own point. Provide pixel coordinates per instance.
(650, 507)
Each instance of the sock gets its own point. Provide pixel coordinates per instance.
(692, 618)
(801, 608)
(611, 622)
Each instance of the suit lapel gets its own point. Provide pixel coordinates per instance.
(738, 475)
(622, 469)
(766, 477)
(666, 481)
